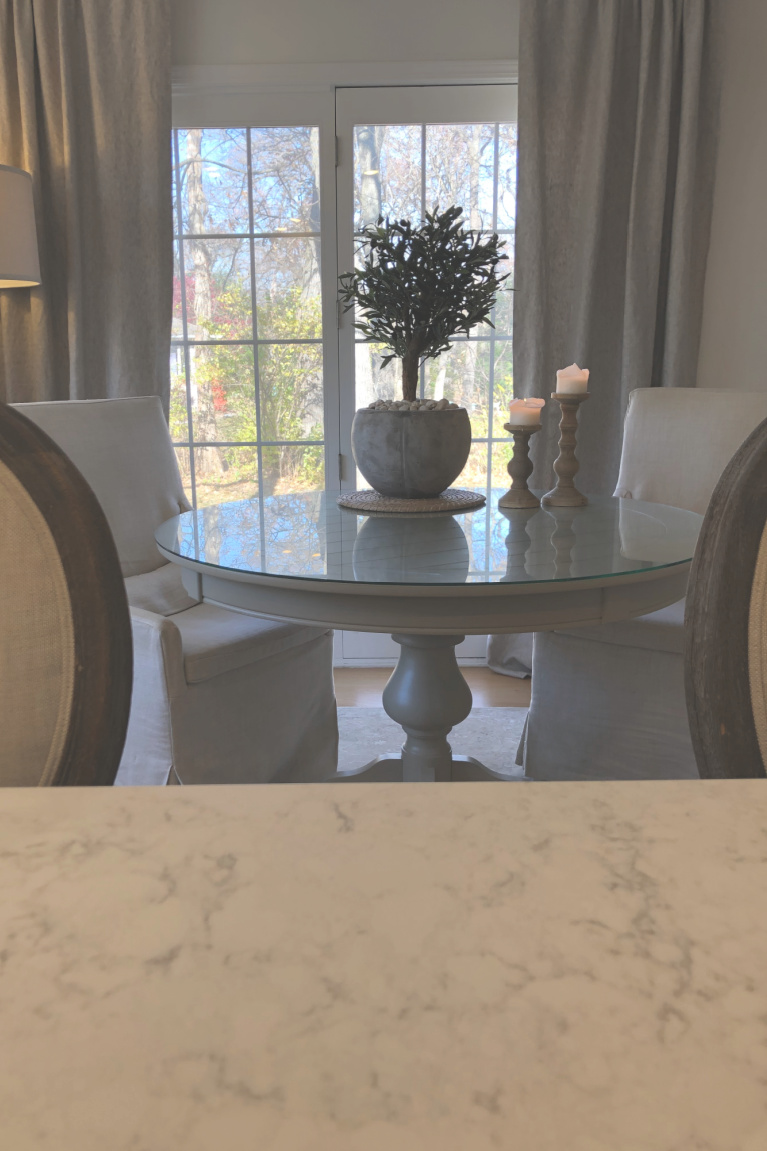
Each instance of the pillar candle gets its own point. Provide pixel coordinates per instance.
(525, 413)
(572, 379)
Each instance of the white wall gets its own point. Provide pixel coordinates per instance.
(323, 31)
(733, 350)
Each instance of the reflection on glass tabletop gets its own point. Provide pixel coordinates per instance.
(307, 536)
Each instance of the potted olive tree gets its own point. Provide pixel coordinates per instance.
(417, 289)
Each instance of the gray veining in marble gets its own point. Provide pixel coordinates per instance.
(560, 967)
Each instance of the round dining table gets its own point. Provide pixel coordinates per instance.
(429, 580)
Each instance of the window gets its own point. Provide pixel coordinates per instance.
(246, 409)
(402, 151)
(407, 170)
(405, 151)
(265, 379)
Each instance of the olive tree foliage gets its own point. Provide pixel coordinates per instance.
(418, 287)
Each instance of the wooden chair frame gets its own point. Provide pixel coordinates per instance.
(717, 618)
(103, 680)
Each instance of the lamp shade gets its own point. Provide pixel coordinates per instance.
(19, 263)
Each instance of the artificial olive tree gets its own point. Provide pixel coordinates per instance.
(420, 287)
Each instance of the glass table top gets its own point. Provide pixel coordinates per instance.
(307, 536)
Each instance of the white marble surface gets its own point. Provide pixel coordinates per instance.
(461, 967)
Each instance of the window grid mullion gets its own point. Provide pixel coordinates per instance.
(254, 328)
(248, 235)
(250, 444)
(491, 364)
(244, 343)
(184, 324)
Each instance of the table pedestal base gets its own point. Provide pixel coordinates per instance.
(427, 696)
(390, 768)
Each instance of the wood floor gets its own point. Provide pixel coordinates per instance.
(362, 687)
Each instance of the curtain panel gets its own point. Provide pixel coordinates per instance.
(85, 106)
(618, 115)
(618, 112)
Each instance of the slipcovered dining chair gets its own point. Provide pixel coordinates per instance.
(65, 637)
(608, 702)
(219, 696)
(726, 622)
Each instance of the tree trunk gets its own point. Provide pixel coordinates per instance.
(410, 375)
(439, 384)
(369, 140)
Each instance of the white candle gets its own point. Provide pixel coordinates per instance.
(525, 413)
(573, 379)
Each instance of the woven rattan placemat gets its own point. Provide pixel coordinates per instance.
(453, 500)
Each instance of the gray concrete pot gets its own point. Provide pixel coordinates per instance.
(412, 455)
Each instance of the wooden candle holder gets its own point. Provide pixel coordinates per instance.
(520, 467)
(565, 494)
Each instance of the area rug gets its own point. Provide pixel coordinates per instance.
(490, 734)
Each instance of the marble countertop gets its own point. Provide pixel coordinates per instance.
(461, 967)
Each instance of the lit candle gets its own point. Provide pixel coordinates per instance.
(573, 379)
(525, 413)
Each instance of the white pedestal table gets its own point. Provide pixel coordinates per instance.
(429, 581)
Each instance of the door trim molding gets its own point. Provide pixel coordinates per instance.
(230, 79)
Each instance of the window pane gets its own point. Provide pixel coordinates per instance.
(474, 475)
(462, 376)
(288, 289)
(290, 384)
(501, 454)
(387, 172)
(286, 195)
(223, 393)
(184, 467)
(292, 468)
(372, 381)
(214, 179)
(504, 305)
(507, 176)
(218, 303)
(174, 184)
(223, 474)
(179, 427)
(503, 383)
(459, 170)
(177, 327)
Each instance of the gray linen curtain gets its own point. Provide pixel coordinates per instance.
(85, 107)
(618, 110)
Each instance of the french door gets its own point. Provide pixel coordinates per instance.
(270, 193)
(402, 152)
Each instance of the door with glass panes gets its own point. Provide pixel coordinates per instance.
(402, 152)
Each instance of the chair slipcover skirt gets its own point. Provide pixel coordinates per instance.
(606, 710)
